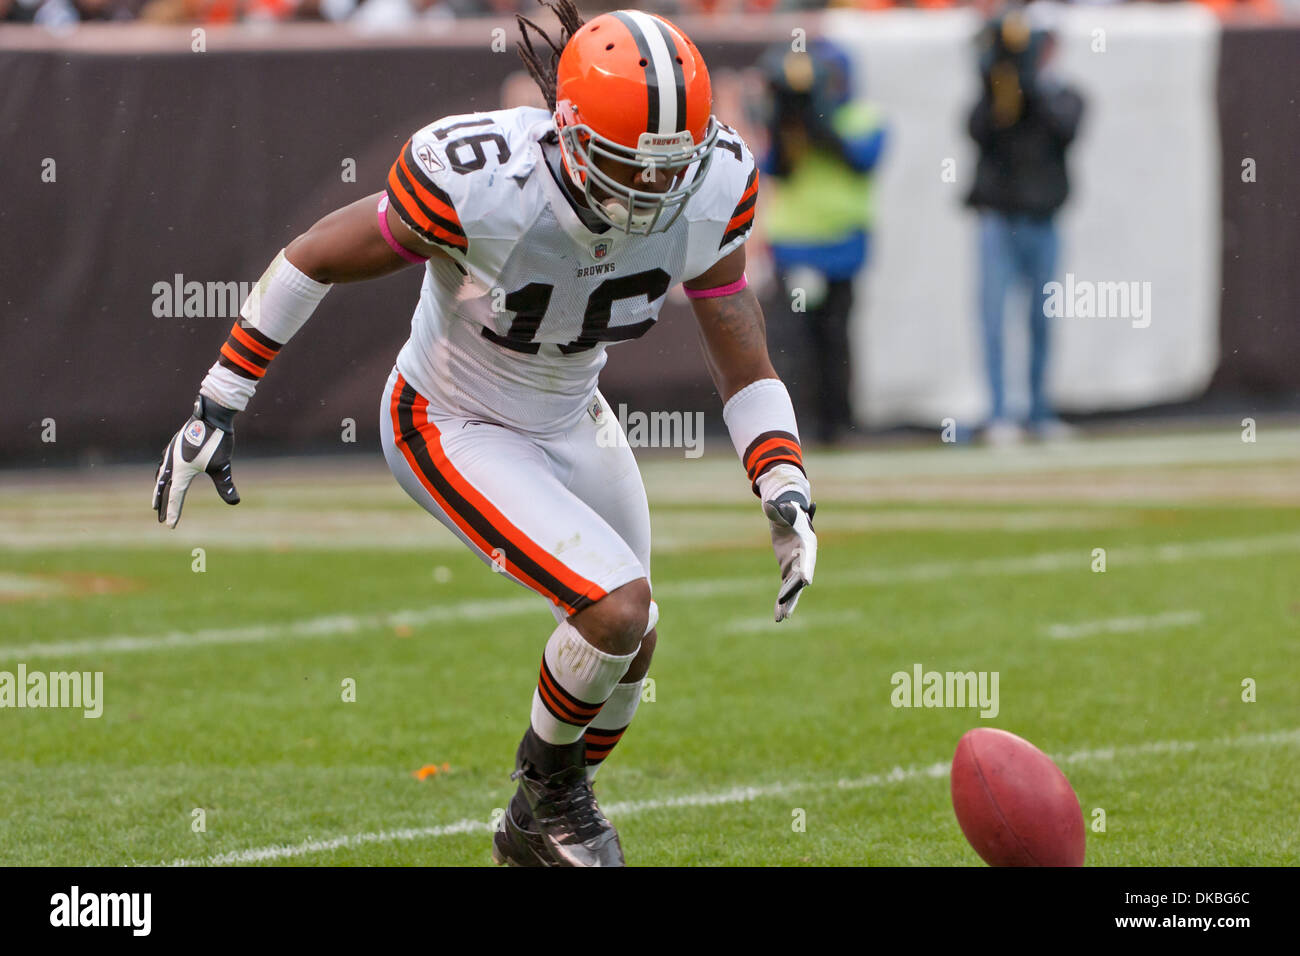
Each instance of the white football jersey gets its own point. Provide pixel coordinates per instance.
(514, 328)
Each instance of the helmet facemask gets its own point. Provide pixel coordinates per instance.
(627, 208)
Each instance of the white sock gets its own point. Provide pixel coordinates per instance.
(605, 731)
(574, 682)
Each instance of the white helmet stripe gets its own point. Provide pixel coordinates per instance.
(662, 58)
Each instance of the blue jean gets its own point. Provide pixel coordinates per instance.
(1016, 248)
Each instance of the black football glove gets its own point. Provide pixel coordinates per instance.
(203, 445)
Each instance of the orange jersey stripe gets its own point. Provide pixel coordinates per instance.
(461, 523)
(435, 203)
(409, 211)
(740, 220)
(423, 205)
(498, 522)
(471, 494)
(751, 189)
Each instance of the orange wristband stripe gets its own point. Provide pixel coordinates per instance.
(252, 344)
(236, 362)
(769, 449)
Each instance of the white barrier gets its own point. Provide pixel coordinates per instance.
(1144, 208)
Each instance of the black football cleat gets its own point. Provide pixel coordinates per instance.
(553, 780)
(517, 842)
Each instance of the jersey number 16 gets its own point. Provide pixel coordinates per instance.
(529, 305)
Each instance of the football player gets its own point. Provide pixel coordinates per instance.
(546, 236)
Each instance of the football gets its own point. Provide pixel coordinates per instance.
(1014, 805)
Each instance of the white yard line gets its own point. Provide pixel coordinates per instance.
(702, 589)
(1219, 442)
(733, 795)
(675, 530)
(1223, 446)
(15, 585)
(311, 503)
(315, 627)
(1123, 625)
(1077, 560)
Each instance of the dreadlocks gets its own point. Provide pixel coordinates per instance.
(541, 66)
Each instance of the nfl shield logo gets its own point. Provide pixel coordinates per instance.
(600, 248)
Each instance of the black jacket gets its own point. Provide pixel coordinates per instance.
(1022, 166)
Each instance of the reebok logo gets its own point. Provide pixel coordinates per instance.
(429, 159)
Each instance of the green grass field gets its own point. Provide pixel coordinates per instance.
(223, 689)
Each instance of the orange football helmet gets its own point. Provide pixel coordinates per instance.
(631, 88)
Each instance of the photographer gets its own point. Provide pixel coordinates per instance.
(823, 147)
(1023, 123)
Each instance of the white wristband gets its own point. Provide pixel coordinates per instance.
(760, 418)
(283, 300)
(226, 388)
(779, 479)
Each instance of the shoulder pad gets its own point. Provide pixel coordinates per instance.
(731, 192)
(455, 171)
(722, 212)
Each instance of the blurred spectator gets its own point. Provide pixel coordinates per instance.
(59, 13)
(18, 11)
(823, 145)
(386, 13)
(1023, 124)
(389, 13)
(379, 14)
